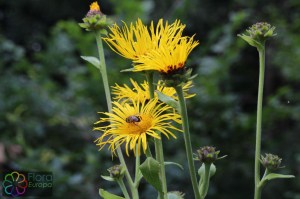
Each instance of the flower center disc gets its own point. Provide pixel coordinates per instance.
(140, 127)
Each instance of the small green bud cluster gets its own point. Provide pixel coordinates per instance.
(95, 20)
(116, 171)
(177, 77)
(207, 154)
(271, 162)
(261, 31)
(258, 33)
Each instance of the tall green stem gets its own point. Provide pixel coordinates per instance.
(123, 188)
(187, 140)
(137, 169)
(158, 147)
(257, 190)
(205, 185)
(103, 72)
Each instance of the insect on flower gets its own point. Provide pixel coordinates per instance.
(133, 119)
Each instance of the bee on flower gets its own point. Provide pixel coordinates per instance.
(132, 124)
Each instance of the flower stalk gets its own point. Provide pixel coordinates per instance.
(205, 183)
(158, 146)
(256, 36)
(123, 188)
(103, 72)
(257, 190)
(187, 140)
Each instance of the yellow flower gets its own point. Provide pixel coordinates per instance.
(94, 6)
(137, 40)
(168, 58)
(140, 92)
(131, 124)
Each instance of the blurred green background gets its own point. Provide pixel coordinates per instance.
(49, 97)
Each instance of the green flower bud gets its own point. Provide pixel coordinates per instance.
(116, 172)
(207, 154)
(175, 195)
(95, 19)
(177, 77)
(258, 34)
(271, 162)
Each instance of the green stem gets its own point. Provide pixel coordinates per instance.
(137, 168)
(148, 153)
(149, 76)
(257, 190)
(158, 147)
(123, 188)
(205, 185)
(103, 71)
(109, 106)
(187, 140)
(263, 181)
(267, 171)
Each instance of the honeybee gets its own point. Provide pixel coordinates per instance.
(133, 119)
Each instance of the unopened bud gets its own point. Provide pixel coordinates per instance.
(95, 20)
(258, 33)
(207, 154)
(271, 162)
(116, 171)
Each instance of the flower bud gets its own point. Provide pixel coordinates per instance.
(176, 194)
(261, 31)
(271, 162)
(207, 154)
(258, 33)
(95, 19)
(116, 171)
(178, 77)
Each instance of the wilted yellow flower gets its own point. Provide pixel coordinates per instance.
(94, 6)
(95, 20)
(133, 123)
(137, 40)
(140, 92)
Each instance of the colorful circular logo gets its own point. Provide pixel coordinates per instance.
(14, 184)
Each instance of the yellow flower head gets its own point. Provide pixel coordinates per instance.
(133, 123)
(168, 58)
(140, 92)
(94, 6)
(137, 40)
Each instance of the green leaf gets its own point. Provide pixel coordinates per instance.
(168, 100)
(272, 176)
(106, 195)
(127, 70)
(150, 171)
(174, 163)
(92, 60)
(250, 41)
(108, 178)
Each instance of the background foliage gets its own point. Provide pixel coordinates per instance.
(49, 98)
